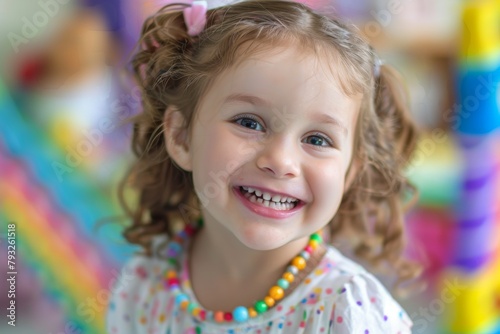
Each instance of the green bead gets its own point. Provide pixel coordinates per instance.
(172, 261)
(283, 283)
(191, 307)
(260, 306)
(316, 236)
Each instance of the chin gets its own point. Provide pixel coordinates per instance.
(262, 238)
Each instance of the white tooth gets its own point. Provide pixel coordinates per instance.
(276, 198)
(283, 199)
(251, 190)
(289, 200)
(260, 200)
(253, 199)
(272, 205)
(258, 192)
(266, 196)
(245, 188)
(266, 203)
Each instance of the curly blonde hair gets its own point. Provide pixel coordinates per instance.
(175, 69)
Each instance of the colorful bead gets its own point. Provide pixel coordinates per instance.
(313, 243)
(260, 306)
(299, 262)
(170, 274)
(196, 311)
(251, 312)
(184, 304)
(289, 277)
(202, 315)
(316, 237)
(309, 249)
(283, 283)
(219, 316)
(293, 269)
(276, 292)
(305, 255)
(228, 316)
(191, 307)
(269, 301)
(240, 314)
(172, 281)
(180, 298)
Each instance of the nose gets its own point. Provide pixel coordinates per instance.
(279, 157)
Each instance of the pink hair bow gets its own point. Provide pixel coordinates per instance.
(196, 17)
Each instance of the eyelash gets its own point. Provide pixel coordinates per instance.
(255, 119)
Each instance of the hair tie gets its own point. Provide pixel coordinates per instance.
(195, 17)
(376, 66)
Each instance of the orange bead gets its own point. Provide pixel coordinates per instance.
(299, 262)
(196, 311)
(171, 274)
(219, 316)
(269, 301)
(251, 312)
(288, 276)
(184, 304)
(313, 243)
(276, 292)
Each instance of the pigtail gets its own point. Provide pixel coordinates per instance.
(372, 210)
(162, 186)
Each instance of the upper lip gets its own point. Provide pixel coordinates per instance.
(274, 192)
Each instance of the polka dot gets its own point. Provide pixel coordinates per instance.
(340, 319)
(328, 291)
(280, 326)
(318, 271)
(302, 324)
(312, 295)
(322, 329)
(385, 318)
(373, 299)
(143, 320)
(162, 318)
(303, 301)
(279, 308)
(289, 323)
(341, 290)
(318, 311)
(126, 317)
(359, 302)
(307, 281)
(367, 331)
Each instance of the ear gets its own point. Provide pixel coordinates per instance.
(176, 138)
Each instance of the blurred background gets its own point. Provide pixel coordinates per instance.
(64, 146)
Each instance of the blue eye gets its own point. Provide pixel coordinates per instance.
(249, 123)
(318, 140)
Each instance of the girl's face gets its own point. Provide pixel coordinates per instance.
(277, 124)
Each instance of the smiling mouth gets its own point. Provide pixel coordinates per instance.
(280, 203)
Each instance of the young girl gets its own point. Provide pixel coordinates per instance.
(267, 130)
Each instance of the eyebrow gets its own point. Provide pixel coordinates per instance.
(238, 97)
(257, 101)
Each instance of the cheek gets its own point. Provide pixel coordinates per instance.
(327, 182)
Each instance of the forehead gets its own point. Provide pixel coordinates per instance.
(286, 76)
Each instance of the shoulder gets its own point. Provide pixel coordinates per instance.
(359, 302)
(139, 276)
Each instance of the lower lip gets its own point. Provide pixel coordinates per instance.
(265, 211)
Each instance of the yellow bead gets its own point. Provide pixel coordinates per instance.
(171, 274)
(269, 301)
(299, 262)
(196, 311)
(184, 304)
(251, 312)
(276, 292)
(313, 243)
(288, 276)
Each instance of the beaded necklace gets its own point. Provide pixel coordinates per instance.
(241, 313)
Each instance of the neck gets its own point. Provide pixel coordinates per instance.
(220, 262)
